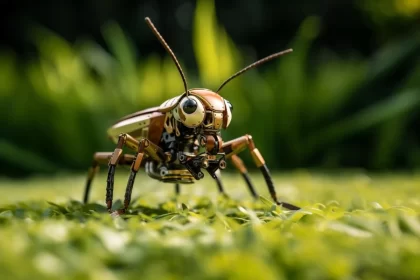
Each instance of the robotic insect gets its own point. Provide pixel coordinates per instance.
(177, 140)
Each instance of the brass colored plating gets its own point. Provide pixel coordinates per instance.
(218, 120)
(153, 150)
(115, 156)
(131, 142)
(175, 141)
(257, 157)
(137, 162)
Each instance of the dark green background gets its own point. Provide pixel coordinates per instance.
(347, 97)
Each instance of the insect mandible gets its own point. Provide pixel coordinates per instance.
(177, 140)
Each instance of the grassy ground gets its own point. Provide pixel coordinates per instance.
(352, 226)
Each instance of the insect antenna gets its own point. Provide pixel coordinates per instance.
(168, 49)
(255, 64)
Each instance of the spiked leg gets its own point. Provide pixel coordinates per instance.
(102, 158)
(123, 140)
(144, 146)
(237, 145)
(129, 189)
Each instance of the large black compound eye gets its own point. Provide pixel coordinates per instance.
(189, 106)
(190, 111)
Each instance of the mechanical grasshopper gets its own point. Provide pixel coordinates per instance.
(175, 141)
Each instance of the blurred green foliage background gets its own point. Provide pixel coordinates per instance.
(348, 96)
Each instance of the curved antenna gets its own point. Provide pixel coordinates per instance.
(255, 64)
(168, 49)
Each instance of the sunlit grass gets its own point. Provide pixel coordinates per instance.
(351, 226)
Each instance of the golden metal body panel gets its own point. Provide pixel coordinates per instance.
(115, 156)
(257, 157)
(149, 125)
(212, 100)
(137, 162)
(129, 126)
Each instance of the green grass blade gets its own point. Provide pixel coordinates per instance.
(376, 114)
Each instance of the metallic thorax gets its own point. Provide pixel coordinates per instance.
(191, 136)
